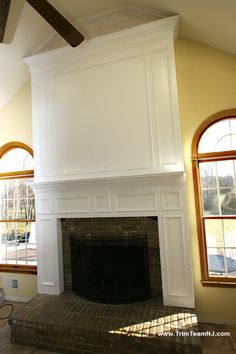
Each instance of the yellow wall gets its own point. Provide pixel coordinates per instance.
(15, 123)
(27, 286)
(15, 118)
(206, 80)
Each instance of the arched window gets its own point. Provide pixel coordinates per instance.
(17, 212)
(214, 173)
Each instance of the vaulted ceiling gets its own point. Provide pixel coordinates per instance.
(211, 22)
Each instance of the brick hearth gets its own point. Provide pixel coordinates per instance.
(68, 324)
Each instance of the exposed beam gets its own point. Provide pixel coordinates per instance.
(57, 21)
(4, 11)
(16, 8)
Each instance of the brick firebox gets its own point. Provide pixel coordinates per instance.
(116, 227)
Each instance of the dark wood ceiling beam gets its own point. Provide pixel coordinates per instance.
(57, 21)
(4, 11)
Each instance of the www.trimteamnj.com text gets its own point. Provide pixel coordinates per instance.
(194, 334)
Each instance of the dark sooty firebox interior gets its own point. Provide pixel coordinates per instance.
(111, 269)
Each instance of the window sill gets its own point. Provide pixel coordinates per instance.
(219, 283)
(11, 268)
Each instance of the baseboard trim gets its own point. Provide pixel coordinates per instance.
(16, 298)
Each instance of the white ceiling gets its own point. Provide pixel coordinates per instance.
(212, 22)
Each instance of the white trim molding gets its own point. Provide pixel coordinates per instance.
(141, 196)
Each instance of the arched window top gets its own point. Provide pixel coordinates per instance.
(16, 157)
(220, 136)
(216, 134)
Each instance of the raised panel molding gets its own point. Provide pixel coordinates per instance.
(69, 204)
(102, 203)
(46, 253)
(97, 129)
(44, 205)
(166, 109)
(136, 202)
(171, 201)
(177, 272)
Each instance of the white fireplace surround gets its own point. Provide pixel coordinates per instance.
(107, 143)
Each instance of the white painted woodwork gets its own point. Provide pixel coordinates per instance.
(119, 197)
(108, 107)
(107, 144)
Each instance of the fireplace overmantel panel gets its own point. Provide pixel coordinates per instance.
(108, 107)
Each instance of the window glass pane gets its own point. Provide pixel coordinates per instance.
(221, 246)
(214, 233)
(17, 199)
(31, 209)
(233, 132)
(16, 160)
(11, 209)
(207, 143)
(210, 202)
(30, 189)
(224, 144)
(220, 129)
(3, 209)
(208, 174)
(230, 232)
(17, 243)
(225, 171)
(216, 262)
(228, 201)
(232, 124)
(231, 262)
(3, 242)
(233, 138)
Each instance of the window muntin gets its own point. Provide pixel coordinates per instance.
(214, 171)
(17, 212)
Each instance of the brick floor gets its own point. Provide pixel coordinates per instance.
(5, 346)
(68, 324)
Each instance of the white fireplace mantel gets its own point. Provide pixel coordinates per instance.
(161, 196)
(107, 143)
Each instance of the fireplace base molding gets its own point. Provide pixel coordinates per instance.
(163, 197)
